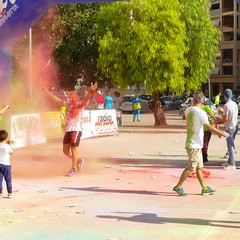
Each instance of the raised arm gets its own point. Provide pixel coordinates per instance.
(55, 98)
(4, 109)
(93, 88)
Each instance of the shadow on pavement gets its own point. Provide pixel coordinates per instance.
(105, 190)
(154, 219)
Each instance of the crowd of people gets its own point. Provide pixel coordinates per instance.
(199, 117)
(199, 120)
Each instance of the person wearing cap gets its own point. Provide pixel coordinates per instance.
(196, 118)
(230, 121)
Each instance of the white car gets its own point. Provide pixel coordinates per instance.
(126, 105)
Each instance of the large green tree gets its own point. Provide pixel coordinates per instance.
(153, 43)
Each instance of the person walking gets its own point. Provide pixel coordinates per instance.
(73, 132)
(136, 108)
(207, 133)
(196, 118)
(117, 100)
(5, 165)
(230, 121)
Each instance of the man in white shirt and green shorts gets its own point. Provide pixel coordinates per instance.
(196, 118)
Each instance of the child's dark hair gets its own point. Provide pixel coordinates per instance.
(3, 135)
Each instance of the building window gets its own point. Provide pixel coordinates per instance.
(228, 36)
(227, 55)
(215, 6)
(216, 22)
(227, 70)
(227, 21)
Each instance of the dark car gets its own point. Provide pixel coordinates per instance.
(176, 102)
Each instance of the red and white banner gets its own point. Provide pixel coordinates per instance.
(103, 122)
(30, 129)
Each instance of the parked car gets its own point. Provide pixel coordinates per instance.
(126, 105)
(148, 99)
(176, 102)
(189, 103)
(167, 100)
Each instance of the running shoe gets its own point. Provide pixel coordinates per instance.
(71, 173)
(230, 167)
(10, 195)
(208, 191)
(179, 191)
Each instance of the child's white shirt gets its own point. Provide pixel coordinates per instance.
(5, 151)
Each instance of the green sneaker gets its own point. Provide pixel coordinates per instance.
(179, 191)
(208, 191)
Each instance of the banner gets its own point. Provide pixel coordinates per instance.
(104, 122)
(26, 130)
(17, 16)
(86, 125)
(51, 124)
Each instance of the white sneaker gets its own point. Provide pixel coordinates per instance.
(10, 195)
(230, 167)
(224, 164)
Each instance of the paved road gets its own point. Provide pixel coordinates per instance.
(124, 191)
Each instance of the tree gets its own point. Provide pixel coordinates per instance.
(202, 42)
(146, 42)
(77, 52)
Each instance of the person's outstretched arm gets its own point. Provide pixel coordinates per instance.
(4, 109)
(90, 93)
(55, 98)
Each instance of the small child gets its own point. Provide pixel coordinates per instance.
(5, 166)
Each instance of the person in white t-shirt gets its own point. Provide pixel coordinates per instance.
(196, 118)
(73, 132)
(230, 120)
(5, 165)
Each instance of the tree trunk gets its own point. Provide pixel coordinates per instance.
(159, 116)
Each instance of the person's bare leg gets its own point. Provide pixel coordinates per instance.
(66, 150)
(183, 177)
(200, 177)
(74, 157)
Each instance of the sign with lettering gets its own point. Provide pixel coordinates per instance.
(104, 122)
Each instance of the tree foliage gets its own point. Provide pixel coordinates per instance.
(77, 51)
(157, 43)
(202, 42)
(143, 43)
